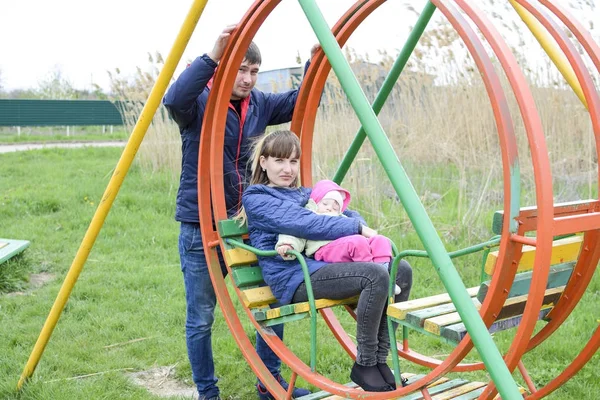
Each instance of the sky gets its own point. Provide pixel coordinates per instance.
(83, 40)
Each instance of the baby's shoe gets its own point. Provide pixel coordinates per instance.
(397, 289)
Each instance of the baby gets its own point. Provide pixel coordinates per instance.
(328, 198)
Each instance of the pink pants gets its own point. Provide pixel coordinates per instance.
(356, 248)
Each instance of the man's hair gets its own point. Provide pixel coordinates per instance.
(253, 54)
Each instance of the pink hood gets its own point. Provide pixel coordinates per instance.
(322, 187)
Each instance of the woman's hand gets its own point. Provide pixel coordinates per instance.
(368, 232)
(284, 248)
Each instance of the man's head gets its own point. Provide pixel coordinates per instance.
(247, 74)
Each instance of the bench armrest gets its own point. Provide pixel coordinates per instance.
(273, 253)
(493, 242)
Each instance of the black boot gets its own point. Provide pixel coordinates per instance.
(369, 378)
(387, 374)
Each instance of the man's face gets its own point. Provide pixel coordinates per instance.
(245, 80)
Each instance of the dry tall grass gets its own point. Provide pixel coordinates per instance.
(443, 133)
(161, 147)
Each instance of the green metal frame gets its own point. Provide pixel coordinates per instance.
(423, 225)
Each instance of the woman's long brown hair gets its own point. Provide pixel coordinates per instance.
(278, 144)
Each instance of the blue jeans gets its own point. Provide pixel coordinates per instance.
(201, 301)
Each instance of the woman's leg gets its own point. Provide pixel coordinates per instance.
(354, 248)
(383, 337)
(370, 281)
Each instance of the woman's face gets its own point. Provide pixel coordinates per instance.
(280, 171)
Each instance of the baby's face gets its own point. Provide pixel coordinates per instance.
(327, 206)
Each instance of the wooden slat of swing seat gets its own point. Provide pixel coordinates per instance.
(476, 393)
(559, 275)
(247, 276)
(563, 250)
(455, 333)
(400, 310)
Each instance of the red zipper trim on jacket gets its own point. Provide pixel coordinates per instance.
(245, 104)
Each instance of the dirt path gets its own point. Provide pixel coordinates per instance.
(9, 148)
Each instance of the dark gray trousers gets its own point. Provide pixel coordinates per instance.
(369, 281)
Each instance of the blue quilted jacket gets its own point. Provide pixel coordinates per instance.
(275, 210)
(186, 101)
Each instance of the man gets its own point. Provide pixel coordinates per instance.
(250, 112)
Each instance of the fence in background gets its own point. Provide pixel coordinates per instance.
(29, 112)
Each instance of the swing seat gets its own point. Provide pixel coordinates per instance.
(436, 315)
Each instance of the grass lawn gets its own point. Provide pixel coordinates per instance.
(131, 288)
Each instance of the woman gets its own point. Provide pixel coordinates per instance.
(273, 204)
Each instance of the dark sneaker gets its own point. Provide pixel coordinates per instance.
(217, 397)
(263, 394)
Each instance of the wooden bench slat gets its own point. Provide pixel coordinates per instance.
(516, 305)
(563, 250)
(455, 333)
(434, 325)
(466, 388)
(437, 389)
(418, 317)
(230, 228)
(237, 257)
(247, 276)
(476, 393)
(400, 310)
(323, 303)
(258, 297)
(559, 276)
(282, 311)
(299, 308)
(323, 395)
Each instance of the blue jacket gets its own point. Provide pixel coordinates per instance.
(275, 210)
(186, 101)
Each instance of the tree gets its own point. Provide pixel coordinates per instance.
(56, 87)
